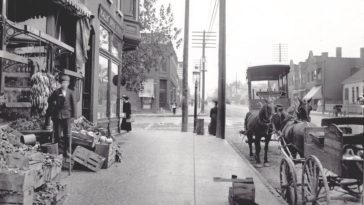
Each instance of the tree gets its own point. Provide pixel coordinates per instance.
(157, 30)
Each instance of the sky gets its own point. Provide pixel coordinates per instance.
(253, 27)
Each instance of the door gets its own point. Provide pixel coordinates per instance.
(87, 82)
(163, 94)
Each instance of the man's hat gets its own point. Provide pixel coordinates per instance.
(279, 107)
(65, 78)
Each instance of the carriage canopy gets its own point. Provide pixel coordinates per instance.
(267, 72)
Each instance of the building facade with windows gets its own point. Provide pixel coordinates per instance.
(320, 78)
(353, 92)
(82, 38)
(160, 87)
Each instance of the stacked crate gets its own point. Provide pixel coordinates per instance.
(107, 151)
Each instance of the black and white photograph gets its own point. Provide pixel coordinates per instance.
(181, 102)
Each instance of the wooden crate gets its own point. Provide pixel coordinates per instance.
(12, 198)
(17, 182)
(66, 163)
(88, 158)
(108, 152)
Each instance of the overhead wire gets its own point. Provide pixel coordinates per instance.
(213, 16)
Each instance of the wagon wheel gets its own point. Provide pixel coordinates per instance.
(288, 181)
(315, 189)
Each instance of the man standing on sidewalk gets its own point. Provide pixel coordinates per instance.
(62, 108)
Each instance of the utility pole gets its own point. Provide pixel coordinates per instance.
(185, 70)
(280, 52)
(221, 109)
(200, 40)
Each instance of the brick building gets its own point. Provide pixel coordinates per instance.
(320, 77)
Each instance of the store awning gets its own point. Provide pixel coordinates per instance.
(314, 93)
(21, 10)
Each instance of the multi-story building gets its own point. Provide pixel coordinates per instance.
(84, 39)
(161, 86)
(319, 78)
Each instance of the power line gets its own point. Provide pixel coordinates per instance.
(213, 15)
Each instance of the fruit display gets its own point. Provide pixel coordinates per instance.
(43, 84)
(50, 193)
(82, 124)
(22, 124)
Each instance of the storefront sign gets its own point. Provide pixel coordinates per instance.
(109, 20)
(148, 91)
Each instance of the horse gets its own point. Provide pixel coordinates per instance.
(294, 128)
(258, 124)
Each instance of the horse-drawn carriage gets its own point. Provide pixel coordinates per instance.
(257, 120)
(332, 158)
(276, 90)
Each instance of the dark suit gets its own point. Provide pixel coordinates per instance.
(125, 125)
(62, 109)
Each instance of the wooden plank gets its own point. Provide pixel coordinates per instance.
(18, 104)
(13, 57)
(24, 197)
(47, 38)
(343, 121)
(72, 73)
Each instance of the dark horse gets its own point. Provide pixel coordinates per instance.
(294, 129)
(258, 124)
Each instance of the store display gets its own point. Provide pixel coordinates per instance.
(43, 84)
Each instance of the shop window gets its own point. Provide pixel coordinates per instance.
(104, 38)
(346, 94)
(113, 90)
(319, 73)
(111, 54)
(103, 84)
(357, 93)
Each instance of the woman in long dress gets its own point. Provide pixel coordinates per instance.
(125, 123)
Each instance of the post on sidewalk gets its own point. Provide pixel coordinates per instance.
(185, 70)
(220, 132)
(196, 78)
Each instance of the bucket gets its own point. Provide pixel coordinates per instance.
(29, 139)
(50, 148)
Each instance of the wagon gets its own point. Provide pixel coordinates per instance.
(333, 159)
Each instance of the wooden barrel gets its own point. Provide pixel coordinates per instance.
(200, 126)
(29, 139)
(50, 148)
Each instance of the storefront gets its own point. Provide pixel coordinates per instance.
(40, 36)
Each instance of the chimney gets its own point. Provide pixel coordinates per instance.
(362, 53)
(325, 54)
(338, 52)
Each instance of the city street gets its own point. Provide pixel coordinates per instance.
(162, 165)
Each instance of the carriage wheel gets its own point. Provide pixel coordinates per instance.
(288, 181)
(315, 189)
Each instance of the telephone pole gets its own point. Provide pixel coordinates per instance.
(221, 109)
(203, 39)
(185, 70)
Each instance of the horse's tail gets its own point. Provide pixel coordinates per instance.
(246, 120)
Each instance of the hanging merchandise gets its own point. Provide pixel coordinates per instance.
(43, 84)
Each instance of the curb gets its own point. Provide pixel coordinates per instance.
(163, 115)
(270, 188)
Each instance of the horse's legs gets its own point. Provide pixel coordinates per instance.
(267, 140)
(250, 142)
(257, 149)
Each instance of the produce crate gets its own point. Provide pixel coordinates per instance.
(11, 198)
(107, 151)
(66, 163)
(17, 182)
(88, 158)
(53, 171)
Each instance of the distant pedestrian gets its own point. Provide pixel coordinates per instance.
(213, 120)
(174, 107)
(126, 121)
